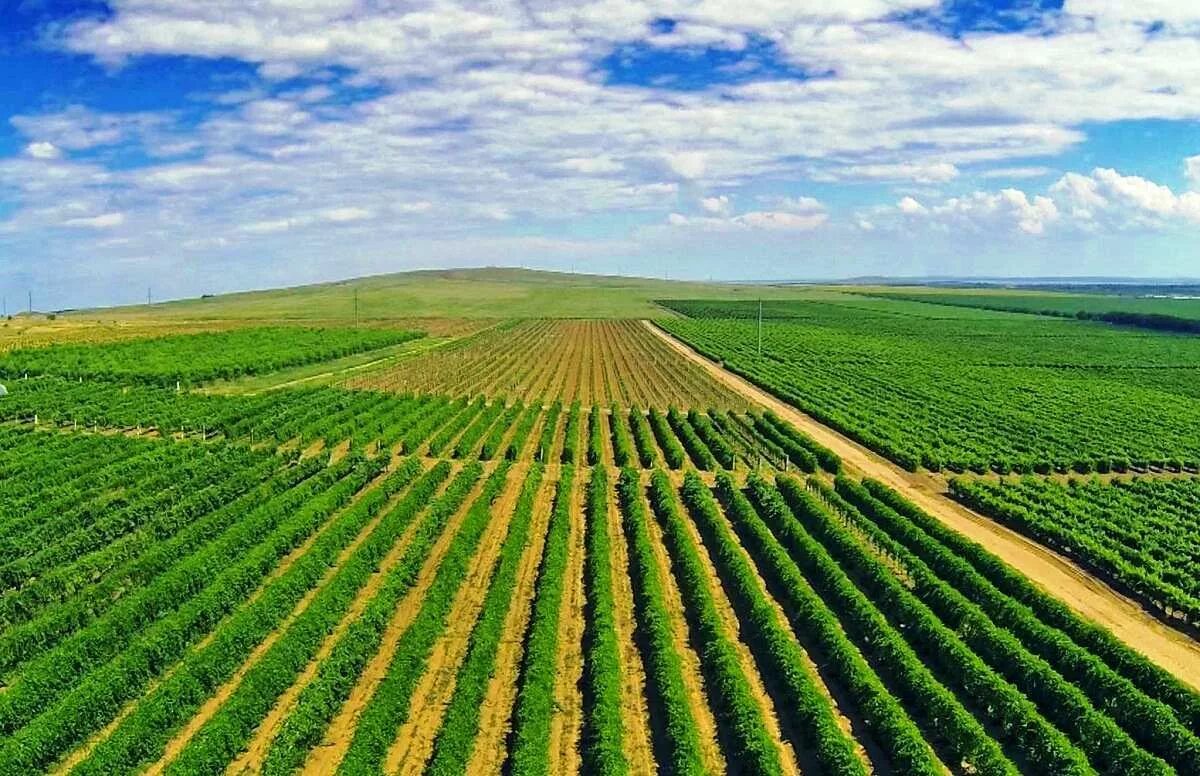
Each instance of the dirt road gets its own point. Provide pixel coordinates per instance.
(1087, 595)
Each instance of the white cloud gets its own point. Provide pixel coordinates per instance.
(925, 172)
(1012, 173)
(717, 206)
(983, 211)
(594, 165)
(342, 215)
(495, 115)
(103, 221)
(687, 164)
(43, 150)
(1191, 168)
(806, 214)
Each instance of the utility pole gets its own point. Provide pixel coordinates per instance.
(356, 307)
(760, 328)
(31, 303)
(148, 302)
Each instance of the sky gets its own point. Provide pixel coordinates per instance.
(182, 147)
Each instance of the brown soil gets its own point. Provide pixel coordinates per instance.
(488, 755)
(787, 755)
(635, 717)
(326, 757)
(706, 724)
(414, 742)
(251, 760)
(1088, 596)
(566, 724)
(184, 736)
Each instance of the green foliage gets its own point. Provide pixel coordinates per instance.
(455, 740)
(1143, 534)
(729, 690)
(389, 706)
(672, 451)
(812, 714)
(320, 700)
(813, 587)
(664, 668)
(529, 741)
(713, 439)
(701, 457)
(570, 446)
(623, 453)
(75, 692)
(196, 358)
(1044, 746)
(602, 725)
(595, 448)
(946, 388)
(643, 438)
(962, 598)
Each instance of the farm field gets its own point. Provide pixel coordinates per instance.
(906, 379)
(600, 362)
(1144, 534)
(574, 546)
(1161, 310)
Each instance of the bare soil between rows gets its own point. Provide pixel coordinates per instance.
(1084, 593)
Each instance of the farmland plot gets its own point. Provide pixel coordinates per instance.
(594, 362)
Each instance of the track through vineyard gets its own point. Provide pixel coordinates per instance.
(1083, 592)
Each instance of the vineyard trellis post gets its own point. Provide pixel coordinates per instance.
(760, 330)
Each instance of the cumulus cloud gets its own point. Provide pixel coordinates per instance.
(717, 206)
(804, 214)
(1104, 197)
(500, 116)
(43, 150)
(1192, 170)
(687, 164)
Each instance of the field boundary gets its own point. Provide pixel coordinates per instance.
(1082, 592)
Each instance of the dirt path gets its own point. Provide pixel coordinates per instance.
(326, 757)
(566, 723)
(413, 745)
(1087, 595)
(488, 755)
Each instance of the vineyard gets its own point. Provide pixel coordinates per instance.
(1142, 534)
(265, 613)
(196, 358)
(566, 547)
(905, 380)
(594, 362)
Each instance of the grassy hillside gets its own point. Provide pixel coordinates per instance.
(468, 293)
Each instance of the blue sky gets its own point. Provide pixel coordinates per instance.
(205, 147)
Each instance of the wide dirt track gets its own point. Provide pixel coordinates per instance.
(1085, 594)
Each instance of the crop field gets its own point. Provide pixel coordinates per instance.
(350, 617)
(1144, 534)
(907, 379)
(594, 362)
(573, 546)
(194, 358)
(1147, 311)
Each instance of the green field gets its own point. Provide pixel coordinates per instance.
(535, 545)
(945, 387)
(480, 293)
